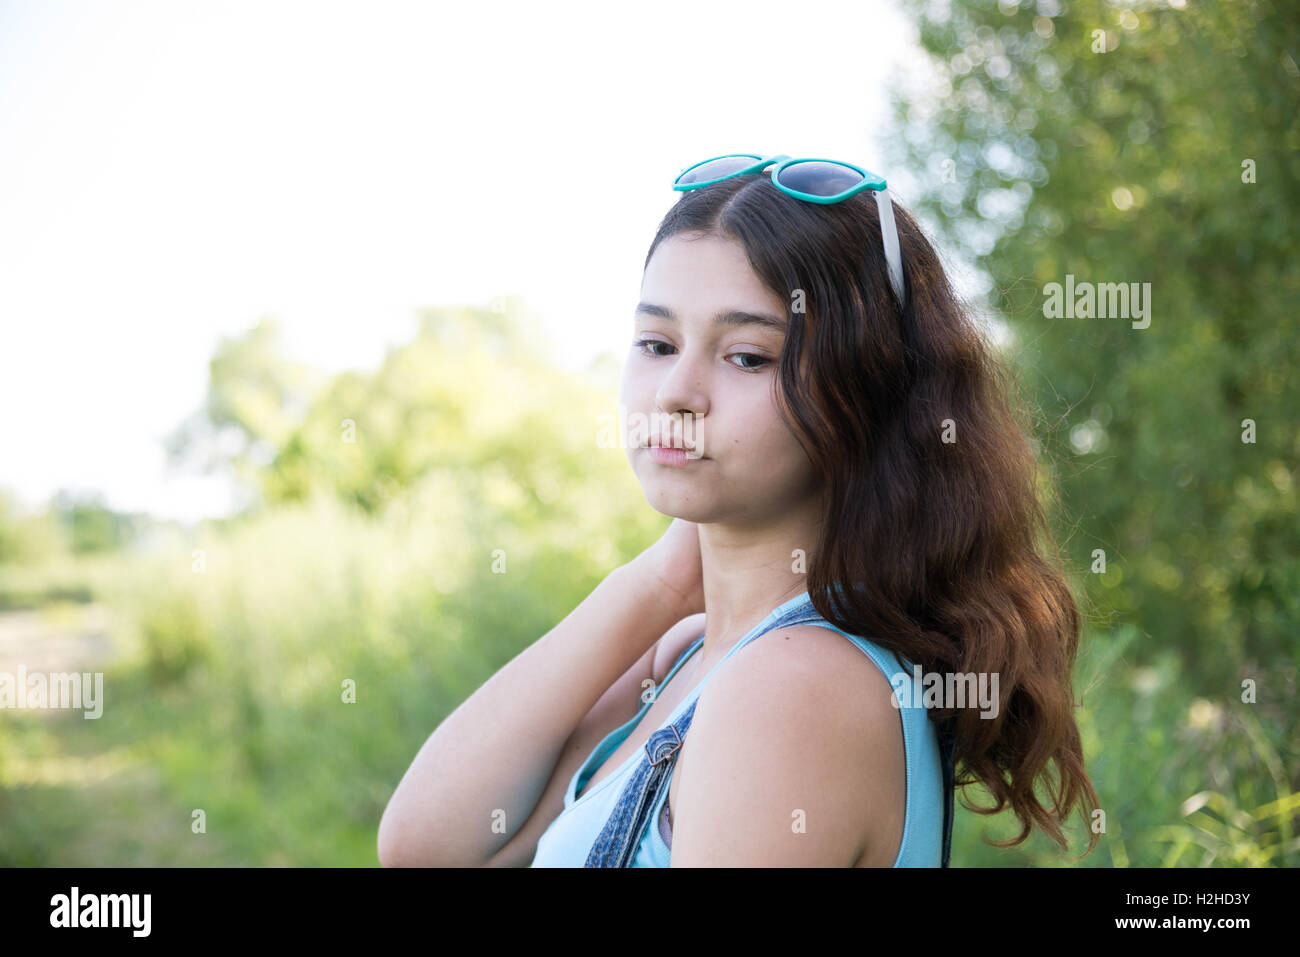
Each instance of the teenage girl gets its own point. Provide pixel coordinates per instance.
(853, 496)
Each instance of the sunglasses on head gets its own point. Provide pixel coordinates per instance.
(813, 181)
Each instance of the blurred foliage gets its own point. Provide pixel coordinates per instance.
(473, 508)
(255, 397)
(90, 525)
(28, 538)
(36, 547)
(1144, 426)
(1118, 143)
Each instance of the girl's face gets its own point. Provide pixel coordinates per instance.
(702, 373)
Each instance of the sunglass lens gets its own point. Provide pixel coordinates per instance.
(819, 179)
(716, 169)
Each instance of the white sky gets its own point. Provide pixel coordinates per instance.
(172, 171)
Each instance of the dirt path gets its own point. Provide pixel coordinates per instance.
(59, 638)
(77, 792)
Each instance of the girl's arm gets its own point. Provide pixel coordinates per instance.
(493, 756)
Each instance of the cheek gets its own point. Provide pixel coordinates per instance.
(625, 388)
(636, 397)
(776, 454)
(762, 441)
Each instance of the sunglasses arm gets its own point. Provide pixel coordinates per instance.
(889, 233)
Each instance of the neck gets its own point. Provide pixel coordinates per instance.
(749, 571)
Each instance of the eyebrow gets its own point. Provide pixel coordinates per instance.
(730, 319)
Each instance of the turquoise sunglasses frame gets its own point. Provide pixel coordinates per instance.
(781, 162)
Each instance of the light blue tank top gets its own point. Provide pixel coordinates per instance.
(569, 839)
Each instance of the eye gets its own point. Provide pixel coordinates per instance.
(647, 346)
(753, 368)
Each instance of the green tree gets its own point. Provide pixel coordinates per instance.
(90, 525)
(256, 398)
(468, 396)
(1141, 143)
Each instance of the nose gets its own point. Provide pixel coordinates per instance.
(682, 391)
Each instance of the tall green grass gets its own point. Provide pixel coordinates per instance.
(229, 698)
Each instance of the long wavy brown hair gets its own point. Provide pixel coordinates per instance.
(957, 565)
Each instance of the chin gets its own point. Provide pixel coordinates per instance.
(676, 505)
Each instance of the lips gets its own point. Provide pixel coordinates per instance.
(661, 445)
(674, 455)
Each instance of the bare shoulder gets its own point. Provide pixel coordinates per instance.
(800, 722)
(811, 665)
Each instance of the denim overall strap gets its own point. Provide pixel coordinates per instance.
(617, 843)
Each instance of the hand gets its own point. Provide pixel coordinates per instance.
(675, 561)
